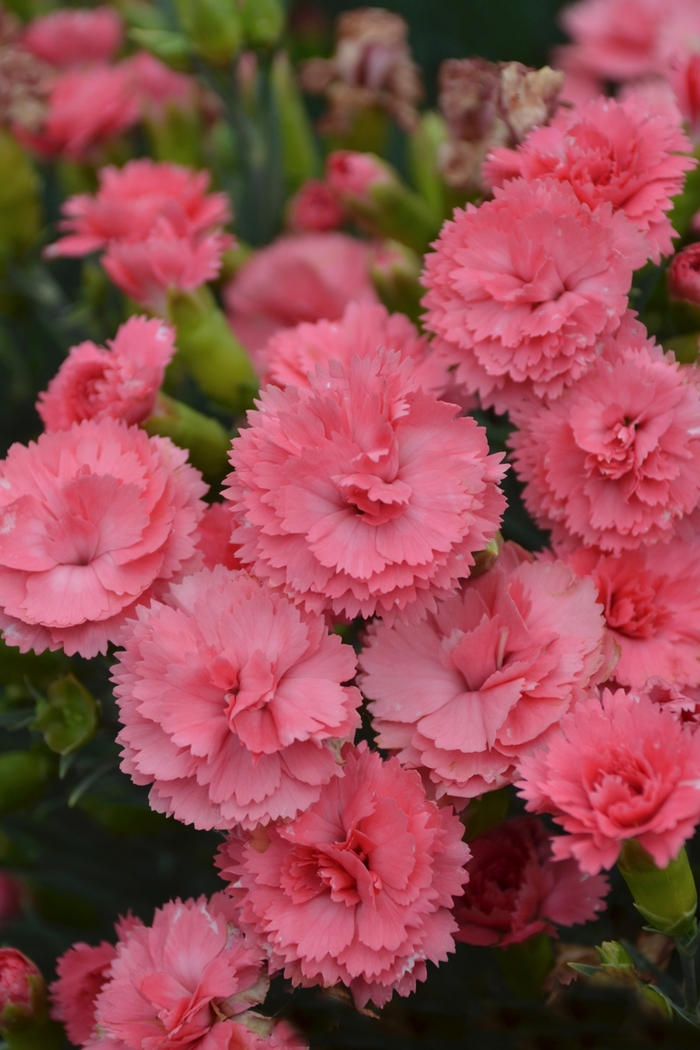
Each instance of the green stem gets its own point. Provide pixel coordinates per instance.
(690, 984)
(205, 438)
(46, 1035)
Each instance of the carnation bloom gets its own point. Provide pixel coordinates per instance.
(522, 288)
(91, 519)
(86, 108)
(362, 493)
(129, 202)
(616, 462)
(187, 981)
(651, 599)
(358, 888)
(684, 274)
(232, 702)
(483, 680)
(121, 383)
(75, 38)
(517, 890)
(214, 537)
(315, 208)
(305, 277)
(363, 329)
(683, 702)
(624, 153)
(620, 768)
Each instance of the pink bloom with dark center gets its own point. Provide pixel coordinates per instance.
(516, 889)
(487, 677)
(358, 888)
(75, 38)
(364, 328)
(315, 208)
(232, 702)
(91, 520)
(651, 599)
(627, 154)
(362, 494)
(119, 383)
(522, 288)
(682, 701)
(214, 538)
(620, 768)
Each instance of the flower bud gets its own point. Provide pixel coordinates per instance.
(213, 26)
(24, 1020)
(204, 437)
(395, 272)
(262, 22)
(300, 160)
(23, 777)
(684, 275)
(425, 145)
(666, 897)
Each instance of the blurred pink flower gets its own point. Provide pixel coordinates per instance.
(75, 38)
(120, 383)
(358, 888)
(362, 494)
(683, 275)
(91, 519)
(315, 208)
(621, 767)
(157, 87)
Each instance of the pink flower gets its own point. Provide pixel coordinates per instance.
(87, 107)
(364, 328)
(187, 982)
(651, 598)
(627, 154)
(487, 677)
(522, 288)
(616, 462)
(685, 80)
(620, 768)
(16, 972)
(214, 538)
(683, 702)
(159, 88)
(516, 889)
(315, 208)
(305, 277)
(91, 519)
(131, 200)
(362, 494)
(684, 273)
(358, 888)
(232, 702)
(119, 383)
(75, 38)
(353, 175)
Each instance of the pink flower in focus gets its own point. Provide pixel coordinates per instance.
(627, 154)
(232, 702)
(363, 494)
(620, 768)
(214, 538)
(651, 599)
(75, 38)
(363, 329)
(119, 383)
(517, 890)
(187, 982)
(91, 519)
(305, 277)
(484, 679)
(315, 208)
(87, 107)
(615, 463)
(522, 288)
(358, 888)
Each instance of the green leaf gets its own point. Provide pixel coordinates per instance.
(69, 717)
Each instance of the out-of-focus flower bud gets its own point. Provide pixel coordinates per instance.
(172, 48)
(684, 275)
(685, 80)
(24, 1021)
(395, 271)
(68, 717)
(262, 22)
(20, 217)
(23, 777)
(666, 897)
(425, 146)
(210, 351)
(300, 159)
(315, 208)
(204, 437)
(213, 26)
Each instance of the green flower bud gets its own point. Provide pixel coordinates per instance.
(69, 716)
(665, 897)
(424, 149)
(172, 48)
(300, 157)
(262, 21)
(23, 777)
(395, 271)
(213, 27)
(204, 437)
(611, 953)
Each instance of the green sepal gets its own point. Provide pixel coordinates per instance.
(205, 438)
(68, 717)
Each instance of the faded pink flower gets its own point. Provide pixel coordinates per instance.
(627, 154)
(214, 538)
(75, 38)
(363, 329)
(315, 208)
(232, 702)
(522, 288)
(119, 383)
(517, 890)
(615, 463)
(363, 494)
(651, 599)
(358, 888)
(130, 201)
(488, 675)
(305, 277)
(621, 767)
(86, 108)
(91, 519)
(187, 982)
